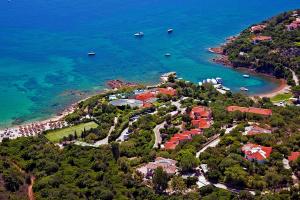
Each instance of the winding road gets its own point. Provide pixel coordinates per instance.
(295, 77)
(100, 142)
(156, 131)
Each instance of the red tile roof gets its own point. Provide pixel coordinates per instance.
(147, 105)
(145, 96)
(170, 145)
(262, 38)
(201, 123)
(180, 137)
(167, 91)
(258, 28)
(256, 152)
(294, 156)
(259, 111)
(200, 112)
(254, 130)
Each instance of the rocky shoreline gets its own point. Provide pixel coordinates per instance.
(222, 59)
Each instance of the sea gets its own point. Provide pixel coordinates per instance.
(44, 65)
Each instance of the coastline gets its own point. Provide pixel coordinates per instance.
(282, 88)
(222, 59)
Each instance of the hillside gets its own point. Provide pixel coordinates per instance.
(189, 119)
(270, 47)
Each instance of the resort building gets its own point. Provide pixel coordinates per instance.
(258, 111)
(201, 117)
(200, 112)
(261, 38)
(255, 130)
(201, 123)
(254, 152)
(294, 25)
(257, 28)
(146, 96)
(127, 102)
(150, 95)
(294, 156)
(167, 91)
(181, 137)
(168, 165)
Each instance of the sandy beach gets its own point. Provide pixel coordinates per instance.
(282, 88)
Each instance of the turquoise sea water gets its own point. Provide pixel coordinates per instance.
(44, 45)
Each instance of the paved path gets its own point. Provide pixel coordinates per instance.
(121, 138)
(212, 143)
(30, 190)
(100, 142)
(295, 78)
(105, 140)
(178, 106)
(156, 131)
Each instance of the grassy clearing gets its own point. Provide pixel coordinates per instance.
(281, 97)
(57, 135)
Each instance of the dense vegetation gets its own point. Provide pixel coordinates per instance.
(108, 172)
(274, 57)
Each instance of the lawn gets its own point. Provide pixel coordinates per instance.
(57, 135)
(281, 97)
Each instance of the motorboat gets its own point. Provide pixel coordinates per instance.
(246, 76)
(167, 54)
(139, 34)
(226, 88)
(244, 89)
(91, 53)
(219, 80)
(170, 30)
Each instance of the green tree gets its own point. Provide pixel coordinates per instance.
(178, 184)
(187, 161)
(296, 90)
(115, 150)
(236, 176)
(160, 180)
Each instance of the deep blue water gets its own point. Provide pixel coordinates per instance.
(44, 45)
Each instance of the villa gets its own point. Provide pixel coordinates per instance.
(257, 28)
(261, 38)
(254, 152)
(181, 137)
(168, 165)
(258, 111)
(255, 130)
(200, 112)
(294, 25)
(146, 96)
(294, 156)
(201, 117)
(150, 95)
(201, 123)
(167, 91)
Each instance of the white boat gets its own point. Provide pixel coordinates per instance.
(170, 30)
(226, 88)
(246, 76)
(219, 80)
(214, 81)
(91, 53)
(244, 89)
(167, 54)
(139, 34)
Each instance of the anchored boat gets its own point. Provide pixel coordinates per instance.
(91, 53)
(139, 34)
(244, 89)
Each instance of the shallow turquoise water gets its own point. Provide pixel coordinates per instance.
(44, 45)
